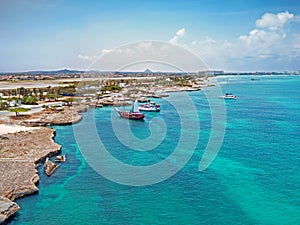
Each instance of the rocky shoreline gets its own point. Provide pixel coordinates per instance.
(21, 153)
(7, 208)
(50, 117)
(30, 142)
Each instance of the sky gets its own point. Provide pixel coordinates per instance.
(230, 35)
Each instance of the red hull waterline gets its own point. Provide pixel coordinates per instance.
(131, 115)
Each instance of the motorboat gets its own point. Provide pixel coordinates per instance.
(228, 96)
(150, 107)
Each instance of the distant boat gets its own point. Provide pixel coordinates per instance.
(151, 107)
(133, 114)
(254, 78)
(228, 96)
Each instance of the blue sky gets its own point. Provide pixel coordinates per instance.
(234, 35)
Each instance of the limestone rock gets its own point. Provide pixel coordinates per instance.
(7, 208)
(67, 116)
(33, 145)
(17, 178)
(60, 158)
(19, 155)
(49, 167)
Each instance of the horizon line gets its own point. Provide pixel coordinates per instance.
(137, 71)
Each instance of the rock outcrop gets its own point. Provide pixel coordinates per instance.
(17, 178)
(60, 158)
(21, 152)
(7, 208)
(66, 116)
(50, 167)
(19, 155)
(34, 146)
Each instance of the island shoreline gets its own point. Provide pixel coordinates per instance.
(16, 164)
(42, 120)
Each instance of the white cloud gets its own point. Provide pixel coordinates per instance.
(226, 44)
(194, 42)
(274, 21)
(296, 45)
(173, 40)
(269, 32)
(145, 45)
(105, 51)
(255, 35)
(86, 57)
(93, 57)
(83, 57)
(180, 33)
(269, 42)
(262, 39)
(209, 40)
(148, 54)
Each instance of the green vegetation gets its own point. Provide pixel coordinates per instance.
(111, 88)
(3, 105)
(52, 97)
(69, 101)
(18, 110)
(13, 99)
(29, 100)
(70, 90)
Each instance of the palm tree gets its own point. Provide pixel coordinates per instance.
(41, 94)
(9, 93)
(18, 110)
(22, 91)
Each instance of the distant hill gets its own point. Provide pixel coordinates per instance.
(64, 71)
(48, 72)
(148, 71)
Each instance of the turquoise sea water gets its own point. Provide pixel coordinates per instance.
(255, 178)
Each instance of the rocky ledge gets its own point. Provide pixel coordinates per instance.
(33, 145)
(56, 116)
(50, 167)
(19, 155)
(21, 152)
(7, 208)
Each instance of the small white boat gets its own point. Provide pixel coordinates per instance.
(228, 96)
(151, 107)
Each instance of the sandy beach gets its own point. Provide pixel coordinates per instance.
(9, 129)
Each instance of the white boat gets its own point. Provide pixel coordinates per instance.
(228, 96)
(151, 107)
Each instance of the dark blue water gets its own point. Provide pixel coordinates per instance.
(255, 178)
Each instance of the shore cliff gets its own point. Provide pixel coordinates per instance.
(21, 152)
